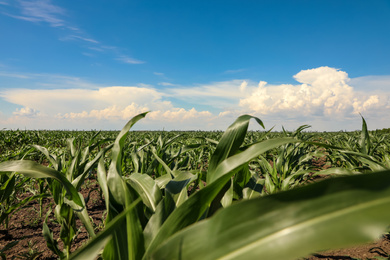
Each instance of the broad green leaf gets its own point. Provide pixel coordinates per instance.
(334, 213)
(178, 186)
(92, 249)
(78, 182)
(114, 176)
(51, 243)
(163, 180)
(35, 170)
(228, 197)
(102, 179)
(163, 210)
(146, 188)
(82, 214)
(164, 165)
(127, 243)
(229, 143)
(48, 155)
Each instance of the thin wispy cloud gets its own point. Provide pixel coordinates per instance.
(158, 73)
(129, 60)
(96, 49)
(88, 54)
(49, 81)
(45, 11)
(77, 37)
(233, 71)
(40, 11)
(14, 75)
(165, 84)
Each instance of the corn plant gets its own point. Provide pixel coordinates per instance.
(290, 165)
(357, 153)
(333, 213)
(174, 211)
(9, 189)
(64, 181)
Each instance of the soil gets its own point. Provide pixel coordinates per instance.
(26, 227)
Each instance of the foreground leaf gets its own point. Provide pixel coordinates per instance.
(334, 213)
(92, 249)
(35, 170)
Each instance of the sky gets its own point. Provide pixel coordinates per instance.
(195, 65)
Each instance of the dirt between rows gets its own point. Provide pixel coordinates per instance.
(26, 227)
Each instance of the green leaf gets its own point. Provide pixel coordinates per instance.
(127, 243)
(334, 213)
(365, 143)
(229, 143)
(35, 170)
(146, 188)
(92, 249)
(195, 206)
(114, 176)
(163, 210)
(82, 214)
(51, 243)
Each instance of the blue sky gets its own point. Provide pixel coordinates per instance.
(70, 64)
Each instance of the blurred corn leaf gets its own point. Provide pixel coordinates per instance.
(334, 213)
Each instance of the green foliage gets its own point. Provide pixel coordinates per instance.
(248, 193)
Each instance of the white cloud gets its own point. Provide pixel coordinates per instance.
(243, 86)
(321, 97)
(158, 73)
(26, 112)
(113, 104)
(69, 100)
(166, 84)
(49, 80)
(221, 95)
(110, 113)
(324, 92)
(40, 11)
(13, 75)
(45, 11)
(129, 60)
(96, 49)
(78, 37)
(179, 114)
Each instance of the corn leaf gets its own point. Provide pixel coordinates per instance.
(334, 213)
(35, 170)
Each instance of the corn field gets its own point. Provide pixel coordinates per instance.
(236, 194)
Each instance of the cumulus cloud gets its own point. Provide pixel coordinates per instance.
(65, 100)
(323, 91)
(26, 112)
(110, 113)
(116, 103)
(321, 95)
(179, 114)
